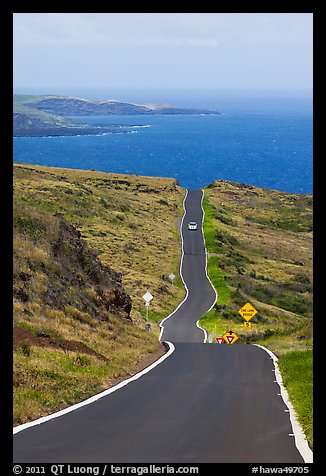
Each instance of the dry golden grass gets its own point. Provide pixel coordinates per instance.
(129, 220)
(131, 223)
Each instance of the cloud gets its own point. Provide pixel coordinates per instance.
(197, 30)
(52, 29)
(163, 48)
(109, 29)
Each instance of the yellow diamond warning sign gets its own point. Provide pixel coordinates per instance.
(230, 337)
(247, 311)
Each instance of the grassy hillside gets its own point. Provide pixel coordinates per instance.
(83, 243)
(259, 246)
(22, 104)
(88, 244)
(74, 106)
(260, 250)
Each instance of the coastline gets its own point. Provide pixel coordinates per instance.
(67, 131)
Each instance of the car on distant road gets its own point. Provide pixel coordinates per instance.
(192, 225)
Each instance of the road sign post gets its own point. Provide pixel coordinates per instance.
(147, 309)
(247, 312)
(247, 325)
(147, 298)
(172, 276)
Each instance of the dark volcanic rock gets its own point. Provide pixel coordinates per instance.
(71, 249)
(55, 131)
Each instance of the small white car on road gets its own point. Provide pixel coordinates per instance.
(192, 225)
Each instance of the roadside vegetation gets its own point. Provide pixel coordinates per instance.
(87, 247)
(297, 374)
(259, 245)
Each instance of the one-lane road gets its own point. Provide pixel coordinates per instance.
(181, 326)
(204, 403)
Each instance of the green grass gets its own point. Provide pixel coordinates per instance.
(217, 278)
(214, 272)
(212, 320)
(259, 245)
(297, 374)
(208, 226)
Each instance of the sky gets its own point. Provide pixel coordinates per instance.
(253, 51)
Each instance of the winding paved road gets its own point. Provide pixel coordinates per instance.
(181, 326)
(204, 403)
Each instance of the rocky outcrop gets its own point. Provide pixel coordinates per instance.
(64, 274)
(86, 269)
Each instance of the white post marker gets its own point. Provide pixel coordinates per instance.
(172, 276)
(147, 298)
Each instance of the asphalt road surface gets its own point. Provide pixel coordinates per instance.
(181, 327)
(205, 403)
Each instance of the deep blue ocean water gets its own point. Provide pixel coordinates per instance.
(263, 141)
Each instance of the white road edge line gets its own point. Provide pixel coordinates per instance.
(202, 329)
(180, 270)
(216, 294)
(299, 436)
(93, 399)
(110, 390)
(181, 275)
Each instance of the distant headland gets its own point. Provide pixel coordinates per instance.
(49, 115)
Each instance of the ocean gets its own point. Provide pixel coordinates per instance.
(262, 140)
